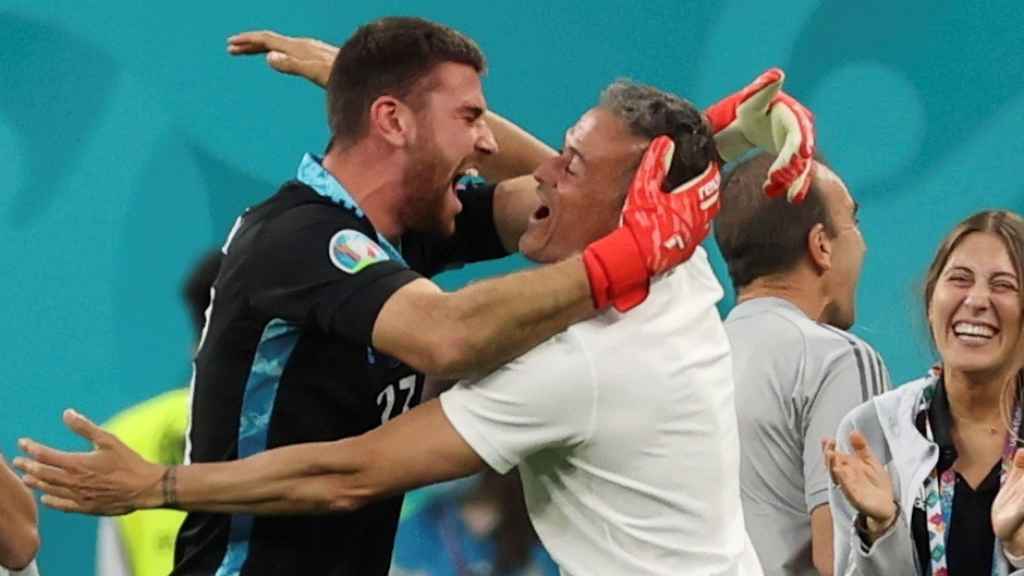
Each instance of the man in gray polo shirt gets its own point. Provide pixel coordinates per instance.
(797, 371)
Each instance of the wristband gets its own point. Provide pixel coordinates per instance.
(860, 523)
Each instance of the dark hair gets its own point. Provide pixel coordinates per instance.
(651, 112)
(196, 289)
(389, 56)
(761, 236)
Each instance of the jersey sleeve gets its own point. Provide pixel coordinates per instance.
(543, 399)
(851, 377)
(322, 269)
(476, 236)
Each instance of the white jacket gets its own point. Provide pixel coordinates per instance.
(887, 422)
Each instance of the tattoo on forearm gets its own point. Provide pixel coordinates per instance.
(169, 485)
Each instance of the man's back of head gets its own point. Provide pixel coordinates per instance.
(810, 252)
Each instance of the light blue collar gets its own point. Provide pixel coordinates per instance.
(311, 173)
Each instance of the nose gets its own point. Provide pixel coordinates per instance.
(978, 297)
(486, 142)
(544, 171)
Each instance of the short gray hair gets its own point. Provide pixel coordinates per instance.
(650, 112)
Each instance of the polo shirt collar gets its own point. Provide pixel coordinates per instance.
(312, 173)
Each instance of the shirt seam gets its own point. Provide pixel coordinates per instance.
(461, 423)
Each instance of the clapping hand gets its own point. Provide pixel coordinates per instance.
(864, 482)
(1008, 508)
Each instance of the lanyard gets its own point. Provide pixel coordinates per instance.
(938, 500)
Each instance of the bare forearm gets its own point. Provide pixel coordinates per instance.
(500, 319)
(418, 448)
(19, 535)
(822, 540)
(284, 480)
(519, 152)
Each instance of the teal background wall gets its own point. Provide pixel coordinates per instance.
(129, 141)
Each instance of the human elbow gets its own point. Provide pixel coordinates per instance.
(451, 357)
(340, 492)
(347, 495)
(22, 549)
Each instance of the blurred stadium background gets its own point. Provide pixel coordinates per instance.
(130, 141)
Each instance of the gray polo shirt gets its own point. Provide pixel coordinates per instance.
(795, 380)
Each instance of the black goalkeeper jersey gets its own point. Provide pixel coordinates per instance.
(287, 358)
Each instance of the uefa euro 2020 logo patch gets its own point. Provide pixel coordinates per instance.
(351, 251)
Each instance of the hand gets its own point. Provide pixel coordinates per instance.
(1008, 508)
(864, 482)
(305, 57)
(110, 480)
(763, 116)
(659, 230)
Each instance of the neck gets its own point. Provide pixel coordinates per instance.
(978, 397)
(368, 172)
(800, 288)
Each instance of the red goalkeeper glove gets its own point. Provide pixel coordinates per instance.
(659, 230)
(763, 116)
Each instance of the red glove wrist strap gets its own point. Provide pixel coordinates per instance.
(615, 267)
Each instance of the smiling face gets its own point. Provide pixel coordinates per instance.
(582, 189)
(450, 137)
(975, 307)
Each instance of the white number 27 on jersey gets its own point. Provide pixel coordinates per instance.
(386, 398)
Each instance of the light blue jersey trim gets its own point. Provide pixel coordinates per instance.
(275, 347)
(312, 173)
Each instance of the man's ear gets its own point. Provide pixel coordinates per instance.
(393, 121)
(819, 247)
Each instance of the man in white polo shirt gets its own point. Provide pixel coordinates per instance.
(623, 426)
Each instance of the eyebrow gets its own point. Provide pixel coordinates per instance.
(1010, 275)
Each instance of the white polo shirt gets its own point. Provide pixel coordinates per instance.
(624, 431)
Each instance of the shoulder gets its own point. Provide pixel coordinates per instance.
(557, 370)
(564, 353)
(829, 339)
(838, 353)
(301, 207)
(769, 329)
(306, 219)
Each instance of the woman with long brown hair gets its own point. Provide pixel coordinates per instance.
(917, 470)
